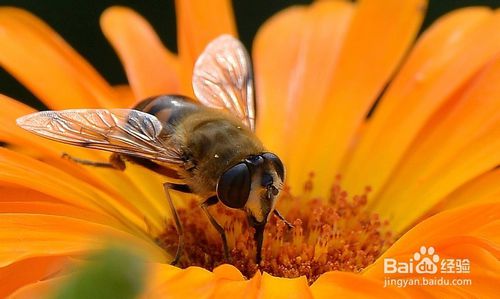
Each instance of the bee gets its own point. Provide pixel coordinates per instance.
(209, 144)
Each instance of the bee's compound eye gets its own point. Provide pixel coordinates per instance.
(278, 165)
(255, 160)
(233, 187)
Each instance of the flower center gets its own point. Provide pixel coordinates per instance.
(335, 233)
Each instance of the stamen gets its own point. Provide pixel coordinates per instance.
(334, 233)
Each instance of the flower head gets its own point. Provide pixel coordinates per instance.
(401, 136)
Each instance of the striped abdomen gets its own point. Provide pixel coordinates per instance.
(168, 109)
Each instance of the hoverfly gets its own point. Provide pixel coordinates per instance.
(212, 147)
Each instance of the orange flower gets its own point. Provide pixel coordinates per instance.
(429, 150)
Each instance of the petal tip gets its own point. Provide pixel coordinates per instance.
(110, 14)
(227, 271)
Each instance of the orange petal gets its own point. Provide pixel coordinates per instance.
(124, 92)
(459, 142)
(12, 193)
(136, 188)
(376, 41)
(484, 188)
(152, 202)
(25, 172)
(192, 282)
(276, 287)
(226, 281)
(23, 236)
(228, 272)
(41, 148)
(455, 48)
(470, 232)
(151, 68)
(11, 133)
(39, 289)
(29, 271)
(11, 204)
(351, 285)
(238, 288)
(232, 284)
(272, 71)
(198, 23)
(294, 53)
(48, 66)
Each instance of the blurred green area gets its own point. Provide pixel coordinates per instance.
(78, 22)
(112, 273)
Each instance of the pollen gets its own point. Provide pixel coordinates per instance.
(333, 233)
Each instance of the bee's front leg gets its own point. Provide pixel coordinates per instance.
(178, 226)
(278, 214)
(210, 202)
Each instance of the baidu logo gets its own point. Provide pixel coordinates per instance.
(431, 270)
(426, 261)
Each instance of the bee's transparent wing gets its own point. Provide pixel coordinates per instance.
(222, 78)
(122, 131)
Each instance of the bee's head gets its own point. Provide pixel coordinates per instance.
(252, 185)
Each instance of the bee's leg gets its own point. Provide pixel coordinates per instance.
(178, 225)
(210, 202)
(278, 214)
(115, 162)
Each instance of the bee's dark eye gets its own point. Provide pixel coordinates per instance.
(233, 187)
(278, 165)
(254, 160)
(266, 180)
